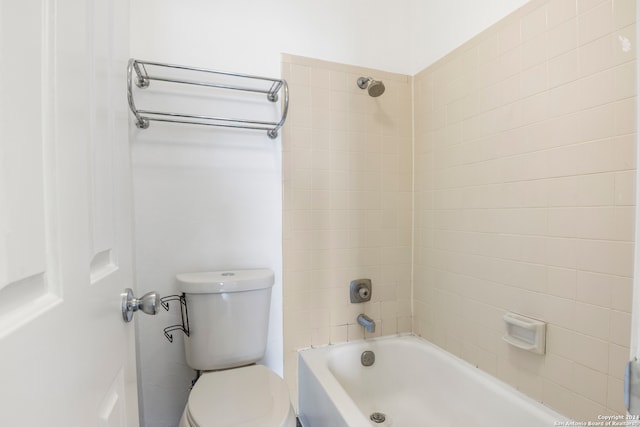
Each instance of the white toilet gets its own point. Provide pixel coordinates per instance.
(228, 321)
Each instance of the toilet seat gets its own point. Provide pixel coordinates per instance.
(253, 396)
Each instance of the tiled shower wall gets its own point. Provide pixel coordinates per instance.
(347, 209)
(524, 199)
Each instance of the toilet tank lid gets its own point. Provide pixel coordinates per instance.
(216, 282)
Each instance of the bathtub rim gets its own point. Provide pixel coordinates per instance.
(314, 356)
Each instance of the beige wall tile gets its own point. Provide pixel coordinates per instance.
(620, 327)
(560, 341)
(561, 397)
(624, 12)
(536, 200)
(563, 68)
(596, 189)
(625, 188)
(348, 213)
(624, 83)
(596, 56)
(534, 23)
(560, 312)
(562, 282)
(592, 384)
(586, 5)
(591, 352)
(622, 42)
(609, 257)
(534, 80)
(621, 297)
(615, 395)
(564, 37)
(565, 99)
(560, 11)
(509, 35)
(618, 356)
(624, 112)
(595, 22)
(592, 320)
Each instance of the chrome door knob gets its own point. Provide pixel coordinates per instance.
(149, 303)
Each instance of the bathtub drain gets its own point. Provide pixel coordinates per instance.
(378, 417)
(367, 358)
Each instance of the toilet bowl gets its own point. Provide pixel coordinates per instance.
(253, 396)
(228, 317)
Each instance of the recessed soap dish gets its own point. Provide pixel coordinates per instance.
(525, 333)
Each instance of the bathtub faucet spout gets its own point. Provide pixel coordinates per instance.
(367, 322)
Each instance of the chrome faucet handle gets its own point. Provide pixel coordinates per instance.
(360, 290)
(148, 304)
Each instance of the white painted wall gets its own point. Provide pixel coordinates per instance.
(208, 199)
(204, 200)
(249, 35)
(402, 36)
(438, 27)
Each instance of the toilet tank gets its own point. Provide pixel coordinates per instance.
(228, 317)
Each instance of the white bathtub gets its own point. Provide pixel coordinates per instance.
(413, 383)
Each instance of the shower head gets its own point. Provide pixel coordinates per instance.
(374, 87)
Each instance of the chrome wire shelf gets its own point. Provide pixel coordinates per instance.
(254, 84)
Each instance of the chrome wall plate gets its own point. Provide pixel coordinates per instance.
(360, 290)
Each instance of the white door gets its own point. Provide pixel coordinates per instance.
(66, 356)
